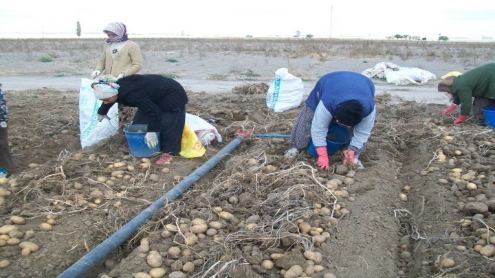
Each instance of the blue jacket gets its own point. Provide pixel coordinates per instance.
(331, 90)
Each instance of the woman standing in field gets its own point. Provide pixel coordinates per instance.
(121, 57)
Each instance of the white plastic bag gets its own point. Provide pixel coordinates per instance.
(206, 132)
(285, 92)
(91, 130)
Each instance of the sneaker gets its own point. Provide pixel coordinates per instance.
(3, 173)
(291, 153)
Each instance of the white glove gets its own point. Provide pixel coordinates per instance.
(101, 117)
(151, 139)
(95, 73)
(120, 75)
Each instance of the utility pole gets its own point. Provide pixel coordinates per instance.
(331, 18)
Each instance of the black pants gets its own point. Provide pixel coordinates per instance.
(171, 128)
(478, 104)
(5, 156)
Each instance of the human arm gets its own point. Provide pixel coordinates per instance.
(100, 65)
(319, 130)
(362, 131)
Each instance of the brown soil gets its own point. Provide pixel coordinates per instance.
(361, 225)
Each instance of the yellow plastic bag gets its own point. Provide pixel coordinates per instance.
(451, 73)
(190, 144)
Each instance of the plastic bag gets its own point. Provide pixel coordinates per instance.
(190, 145)
(206, 132)
(285, 92)
(93, 131)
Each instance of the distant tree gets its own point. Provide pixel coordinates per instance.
(443, 38)
(249, 36)
(309, 36)
(78, 29)
(405, 37)
(397, 36)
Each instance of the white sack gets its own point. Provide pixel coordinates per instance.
(285, 92)
(205, 131)
(91, 130)
(399, 75)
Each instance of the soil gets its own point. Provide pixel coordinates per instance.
(407, 214)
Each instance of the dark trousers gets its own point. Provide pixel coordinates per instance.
(5, 156)
(478, 104)
(171, 128)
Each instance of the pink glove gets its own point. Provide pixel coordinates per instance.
(348, 157)
(323, 161)
(449, 110)
(460, 119)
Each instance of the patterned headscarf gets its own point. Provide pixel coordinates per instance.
(118, 29)
(105, 90)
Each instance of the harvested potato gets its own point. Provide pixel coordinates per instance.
(294, 271)
(18, 220)
(225, 215)
(158, 272)
(5, 229)
(154, 259)
(174, 252)
(4, 263)
(267, 264)
(45, 227)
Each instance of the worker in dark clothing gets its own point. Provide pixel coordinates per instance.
(161, 105)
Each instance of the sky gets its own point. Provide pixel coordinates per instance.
(258, 18)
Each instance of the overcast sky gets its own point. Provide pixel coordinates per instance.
(321, 18)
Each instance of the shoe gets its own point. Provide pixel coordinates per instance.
(164, 159)
(291, 153)
(3, 173)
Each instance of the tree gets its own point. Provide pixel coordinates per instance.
(397, 36)
(78, 29)
(443, 38)
(309, 36)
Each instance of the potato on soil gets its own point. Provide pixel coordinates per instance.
(18, 220)
(4, 264)
(154, 259)
(294, 271)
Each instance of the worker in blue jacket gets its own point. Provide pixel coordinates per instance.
(345, 98)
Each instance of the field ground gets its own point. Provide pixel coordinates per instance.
(408, 214)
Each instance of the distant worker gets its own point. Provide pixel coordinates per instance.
(344, 98)
(121, 57)
(5, 155)
(477, 83)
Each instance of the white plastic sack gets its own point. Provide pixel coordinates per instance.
(206, 132)
(91, 130)
(407, 76)
(285, 92)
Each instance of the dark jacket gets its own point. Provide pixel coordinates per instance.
(151, 94)
(477, 82)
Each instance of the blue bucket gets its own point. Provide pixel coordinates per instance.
(337, 137)
(489, 115)
(135, 139)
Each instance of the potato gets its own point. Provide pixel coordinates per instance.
(267, 264)
(4, 192)
(188, 267)
(174, 252)
(45, 227)
(119, 164)
(30, 245)
(5, 229)
(154, 259)
(141, 275)
(471, 186)
(171, 228)
(158, 272)
(225, 215)
(305, 227)
(276, 256)
(215, 224)
(4, 264)
(199, 229)
(18, 220)
(447, 263)
(4, 181)
(294, 271)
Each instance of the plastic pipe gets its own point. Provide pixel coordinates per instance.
(271, 135)
(79, 268)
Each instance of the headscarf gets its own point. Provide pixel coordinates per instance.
(445, 85)
(118, 29)
(349, 113)
(104, 90)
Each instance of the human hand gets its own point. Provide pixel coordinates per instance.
(323, 161)
(95, 73)
(349, 157)
(449, 110)
(151, 139)
(101, 117)
(120, 75)
(460, 119)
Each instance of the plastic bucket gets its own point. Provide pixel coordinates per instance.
(135, 139)
(337, 137)
(489, 115)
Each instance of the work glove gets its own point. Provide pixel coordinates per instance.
(449, 110)
(460, 119)
(101, 117)
(323, 161)
(151, 139)
(349, 157)
(95, 73)
(120, 75)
